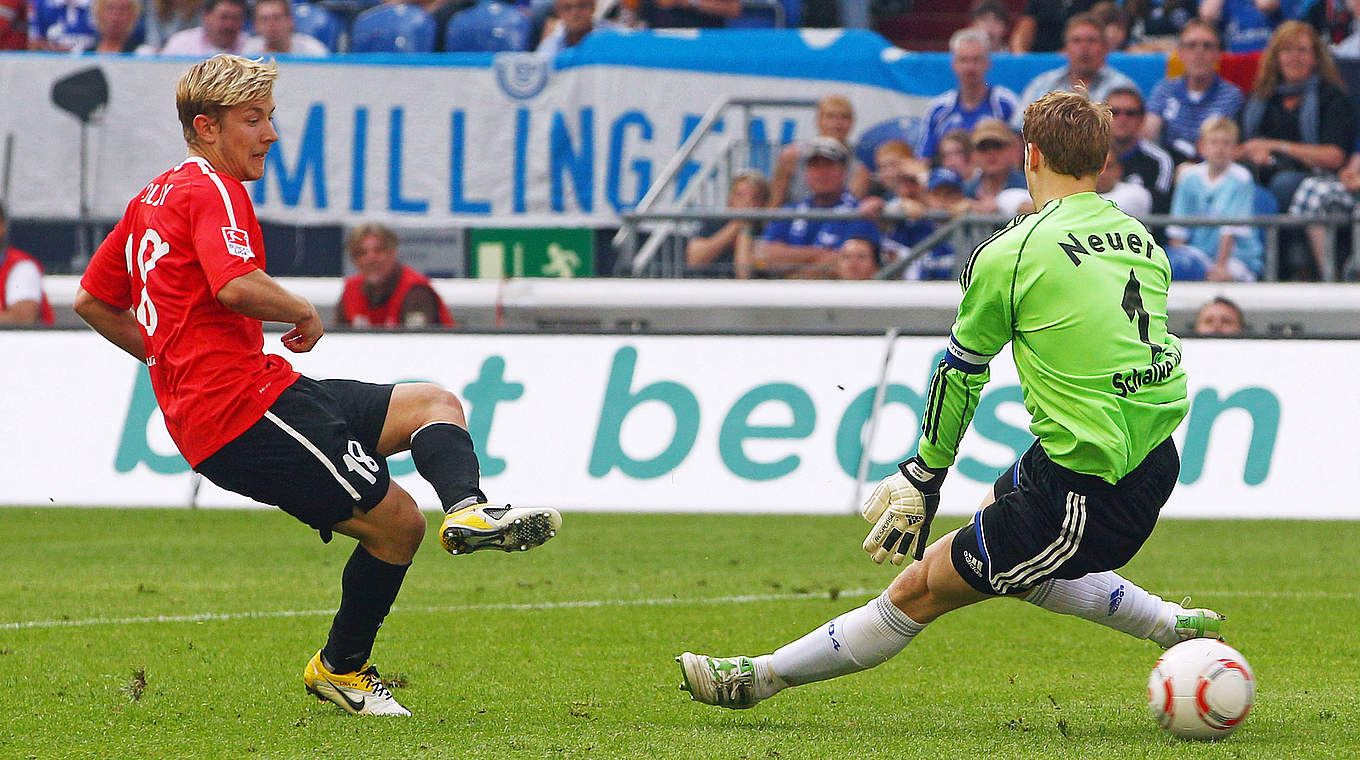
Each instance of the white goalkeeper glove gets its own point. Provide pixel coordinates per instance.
(901, 508)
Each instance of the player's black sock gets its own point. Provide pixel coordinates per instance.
(367, 590)
(443, 455)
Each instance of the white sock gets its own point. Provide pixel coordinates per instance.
(1112, 601)
(855, 641)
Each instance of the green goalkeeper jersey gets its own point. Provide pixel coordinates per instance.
(1079, 289)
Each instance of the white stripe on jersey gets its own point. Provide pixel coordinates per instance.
(221, 188)
(300, 438)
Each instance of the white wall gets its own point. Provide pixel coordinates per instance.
(79, 428)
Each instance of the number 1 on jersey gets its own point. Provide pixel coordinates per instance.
(143, 257)
(1133, 306)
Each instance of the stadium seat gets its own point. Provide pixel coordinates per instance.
(905, 128)
(392, 28)
(487, 27)
(319, 23)
(758, 14)
(1240, 69)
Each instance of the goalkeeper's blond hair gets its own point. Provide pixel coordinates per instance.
(1070, 131)
(211, 87)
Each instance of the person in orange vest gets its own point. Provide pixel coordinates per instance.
(385, 292)
(22, 301)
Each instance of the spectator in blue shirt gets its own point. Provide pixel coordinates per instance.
(1246, 24)
(1215, 187)
(807, 248)
(61, 25)
(1177, 107)
(973, 100)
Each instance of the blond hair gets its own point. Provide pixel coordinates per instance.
(1268, 74)
(835, 100)
(756, 180)
(1070, 131)
(211, 87)
(386, 237)
(1220, 123)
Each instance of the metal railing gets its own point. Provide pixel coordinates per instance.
(663, 224)
(634, 258)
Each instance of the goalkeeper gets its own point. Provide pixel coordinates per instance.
(1079, 289)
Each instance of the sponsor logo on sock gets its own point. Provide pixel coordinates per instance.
(1116, 597)
(973, 562)
(831, 631)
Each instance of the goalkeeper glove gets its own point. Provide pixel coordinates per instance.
(902, 507)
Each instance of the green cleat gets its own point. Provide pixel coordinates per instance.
(723, 681)
(1198, 623)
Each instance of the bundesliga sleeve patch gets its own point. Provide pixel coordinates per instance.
(238, 243)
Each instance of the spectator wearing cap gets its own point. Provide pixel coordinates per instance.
(275, 33)
(996, 152)
(944, 191)
(1177, 107)
(835, 119)
(807, 248)
(1085, 48)
(857, 259)
(1144, 162)
(973, 100)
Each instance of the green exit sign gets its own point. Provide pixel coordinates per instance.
(532, 252)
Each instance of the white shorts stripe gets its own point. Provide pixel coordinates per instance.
(1054, 555)
(300, 438)
(1068, 551)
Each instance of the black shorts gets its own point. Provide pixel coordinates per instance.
(1050, 522)
(314, 453)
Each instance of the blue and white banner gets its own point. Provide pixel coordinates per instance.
(466, 138)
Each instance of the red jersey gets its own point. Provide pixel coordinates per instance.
(13, 25)
(182, 238)
(358, 312)
(8, 259)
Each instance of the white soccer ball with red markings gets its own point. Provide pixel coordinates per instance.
(1201, 689)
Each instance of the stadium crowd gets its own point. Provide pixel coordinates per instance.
(1196, 145)
(1254, 117)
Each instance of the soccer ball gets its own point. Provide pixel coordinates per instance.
(1201, 689)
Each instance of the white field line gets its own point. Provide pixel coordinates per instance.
(206, 617)
(502, 606)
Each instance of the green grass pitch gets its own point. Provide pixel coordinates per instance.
(566, 652)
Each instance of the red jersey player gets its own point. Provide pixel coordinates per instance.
(180, 284)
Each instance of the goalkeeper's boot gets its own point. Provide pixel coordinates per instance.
(361, 693)
(1197, 623)
(732, 682)
(471, 525)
